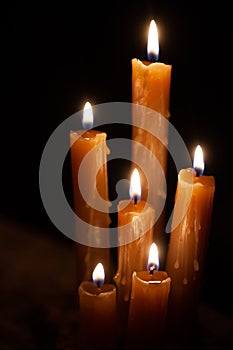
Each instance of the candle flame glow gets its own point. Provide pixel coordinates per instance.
(153, 43)
(88, 118)
(198, 162)
(135, 186)
(153, 259)
(98, 275)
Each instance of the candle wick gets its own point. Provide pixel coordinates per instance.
(135, 199)
(152, 268)
(198, 172)
(152, 57)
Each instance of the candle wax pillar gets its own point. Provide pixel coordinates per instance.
(188, 245)
(148, 309)
(151, 88)
(132, 256)
(81, 144)
(97, 310)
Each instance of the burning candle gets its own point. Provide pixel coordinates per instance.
(97, 311)
(148, 304)
(151, 88)
(188, 242)
(135, 235)
(92, 143)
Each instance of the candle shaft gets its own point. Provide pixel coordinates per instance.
(97, 311)
(151, 89)
(81, 145)
(135, 225)
(188, 246)
(148, 309)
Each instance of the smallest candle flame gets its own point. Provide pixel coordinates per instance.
(153, 43)
(153, 259)
(135, 187)
(88, 118)
(98, 275)
(198, 161)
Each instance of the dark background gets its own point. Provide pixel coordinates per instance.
(56, 57)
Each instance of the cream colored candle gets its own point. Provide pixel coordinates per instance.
(151, 82)
(135, 235)
(189, 242)
(148, 305)
(92, 143)
(97, 311)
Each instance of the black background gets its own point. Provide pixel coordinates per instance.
(56, 57)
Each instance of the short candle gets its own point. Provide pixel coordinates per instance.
(97, 310)
(148, 304)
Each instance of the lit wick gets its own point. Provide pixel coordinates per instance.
(198, 162)
(98, 275)
(135, 199)
(88, 118)
(153, 260)
(135, 187)
(153, 43)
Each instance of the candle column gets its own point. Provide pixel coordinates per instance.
(135, 235)
(83, 142)
(151, 82)
(188, 245)
(148, 305)
(97, 311)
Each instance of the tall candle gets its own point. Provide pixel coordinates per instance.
(92, 142)
(97, 312)
(135, 235)
(148, 305)
(189, 242)
(151, 82)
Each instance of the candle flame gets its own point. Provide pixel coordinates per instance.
(153, 259)
(135, 187)
(88, 118)
(198, 162)
(98, 275)
(153, 43)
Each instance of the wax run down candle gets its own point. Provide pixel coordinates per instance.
(188, 244)
(135, 235)
(97, 311)
(83, 142)
(148, 305)
(151, 82)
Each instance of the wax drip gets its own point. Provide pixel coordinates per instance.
(197, 228)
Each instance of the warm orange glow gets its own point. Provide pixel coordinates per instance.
(98, 274)
(198, 162)
(88, 118)
(153, 42)
(135, 186)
